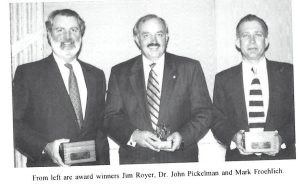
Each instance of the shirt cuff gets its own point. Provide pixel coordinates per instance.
(131, 142)
(232, 145)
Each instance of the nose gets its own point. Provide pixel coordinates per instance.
(153, 39)
(252, 39)
(67, 35)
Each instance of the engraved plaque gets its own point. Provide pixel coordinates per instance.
(262, 141)
(78, 152)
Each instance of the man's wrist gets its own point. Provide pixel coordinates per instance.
(232, 145)
(131, 141)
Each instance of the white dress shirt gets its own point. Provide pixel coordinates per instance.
(65, 72)
(159, 70)
(262, 75)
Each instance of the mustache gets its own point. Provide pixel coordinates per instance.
(71, 43)
(153, 44)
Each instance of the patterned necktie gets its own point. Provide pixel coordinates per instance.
(256, 104)
(153, 96)
(74, 95)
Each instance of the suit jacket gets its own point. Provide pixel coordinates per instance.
(230, 113)
(185, 108)
(43, 111)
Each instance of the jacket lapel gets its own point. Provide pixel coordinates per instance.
(90, 86)
(169, 79)
(137, 81)
(57, 85)
(272, 74)
(239, 96)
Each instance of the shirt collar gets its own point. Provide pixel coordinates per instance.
(61, 62)
(262, 64)
(159, 62)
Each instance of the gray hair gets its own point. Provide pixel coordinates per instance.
(146, 18)
(65, 12)
(251, 17)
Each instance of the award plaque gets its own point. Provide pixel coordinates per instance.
(262, 141)
(162, 132)
(78, 152)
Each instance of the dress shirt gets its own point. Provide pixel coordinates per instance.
(159, 70)
(65, 72)
(262, 75)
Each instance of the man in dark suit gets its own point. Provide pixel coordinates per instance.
(54, 103)
(256, 95)
(154, 97)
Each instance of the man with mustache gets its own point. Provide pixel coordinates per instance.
(59, 99)
(256, 95)
(157, 106)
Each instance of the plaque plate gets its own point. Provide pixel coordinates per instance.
(263, 141)
(78, 152)
(165, 145)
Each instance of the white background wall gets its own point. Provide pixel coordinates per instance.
(276, 13)
(108, 39)
(290, 167)
(199, 29)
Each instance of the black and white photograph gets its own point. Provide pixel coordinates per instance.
(150, 92)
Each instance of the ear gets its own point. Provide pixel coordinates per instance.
(167, 38)
(136, 40)
(49, 37)
(48, 33)
(237, 43)
(267, 42)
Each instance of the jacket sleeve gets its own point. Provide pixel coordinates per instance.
(30, 142)
(200, 106)
(102, 147)
(222, 128)
(116, 120)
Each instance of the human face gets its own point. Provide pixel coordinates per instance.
(152, 39)
(252, 41)
(65, 37)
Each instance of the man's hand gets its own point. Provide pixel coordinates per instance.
(52, 149)
(146, 139)
(279, 140)
(176, 140)
(238, 140)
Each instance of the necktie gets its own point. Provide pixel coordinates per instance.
(256, 104)
(153, 96)
(74, 95)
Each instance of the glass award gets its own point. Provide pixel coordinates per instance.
(162, 132)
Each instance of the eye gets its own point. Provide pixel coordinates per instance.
(75, 30)
(245, 35)
(259, 35)
(145, 35)
(160, 34)
(58, 30)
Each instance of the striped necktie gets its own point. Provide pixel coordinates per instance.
(74, 95)
(153, 96)
(256, 104)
